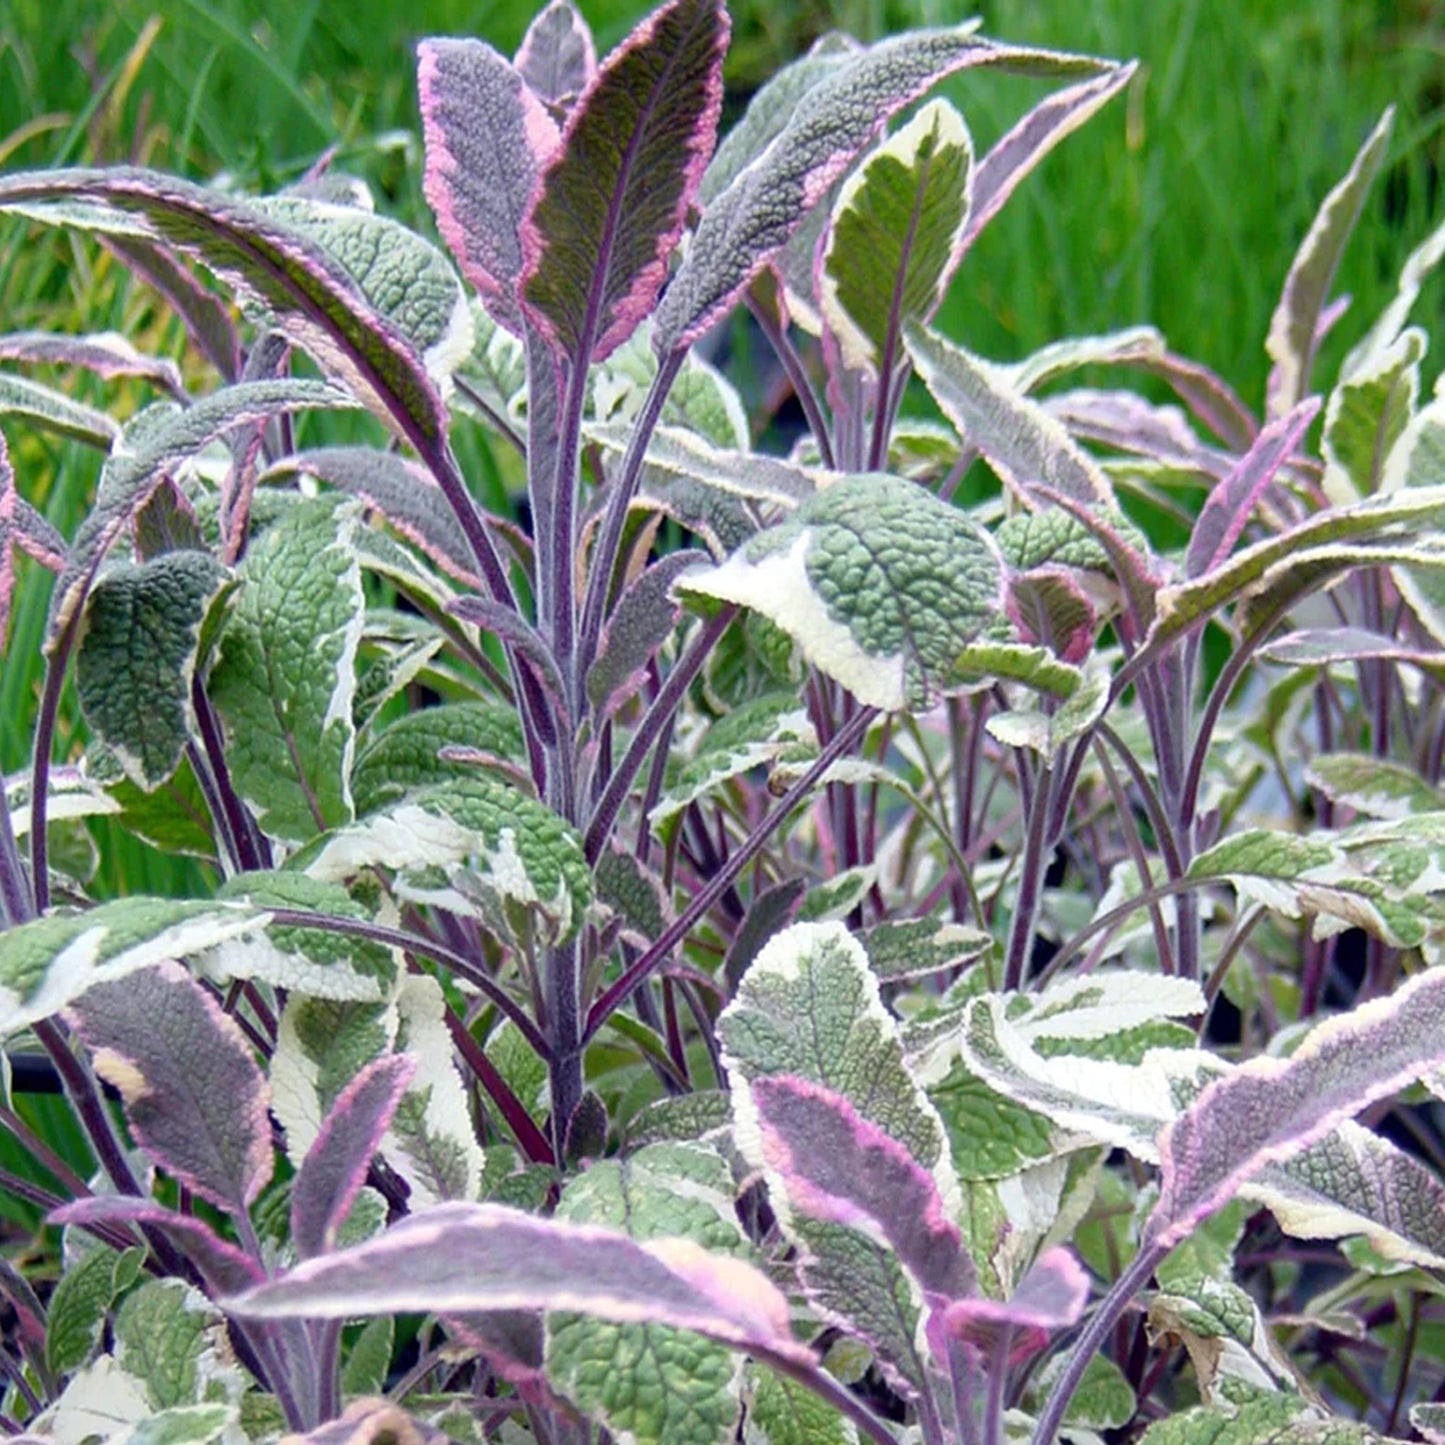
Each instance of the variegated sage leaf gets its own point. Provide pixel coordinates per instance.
(1367, 414)
(880, 584)
(195, 1099)
(895, 237)
(609, 208)
(22, 528)
(162, 1331)
(285, 674)
(107, 354)
(648, 1382)
(524, 860)
(139, 647)
(1418, 460)
(51, 410)
(557, 57)
(316, 302)
(49, 962)
(781, 1412)
(80, 1303)
(1259, 1418)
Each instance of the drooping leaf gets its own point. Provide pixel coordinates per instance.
(879, 583)
(980, 663)
(1048, 733)
(335, 1166)
(1373, 786)
(1269, 1109)
(285, 673)
(138, 653)
(487, 136)
(51, 410)
(48, 963)
(314, 300)
(520, 854)
(1022, 442)
(831, 120)
(460, 1258)
(1293, 327)
(557, 57)
(895, 237)
(609, 207)
(107, 354)
(195, 1099)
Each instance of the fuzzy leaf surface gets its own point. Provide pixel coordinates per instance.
(22, 529)
(51, 410)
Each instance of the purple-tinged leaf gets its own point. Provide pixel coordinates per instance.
(335, 1166)
(1230, 505)
(837, 1167)
(107, 354)
(1325, 646)
(765, 202)
(1211, 399)
(1293, 329)
(1124, 422)
(21, 526)
(557, 57)
(466, 1258)
(1016, 154)
(609, 209)
(314, 300)
(518, 633)
(194, 1097)
(641, 622)
(1050, 1298)
(225, 1269)
(160, 437)
(1021, 441)
(403, 492)
(1270, 1109)
(1052, 606)
(51, 410)
(487, 136)
(372, 1420)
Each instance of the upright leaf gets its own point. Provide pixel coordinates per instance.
(1368, 412)
(610, 206)
(557, 57)
(285, 673)
(880, 584)
(895, 235)
(487, 136)
(194, 1097)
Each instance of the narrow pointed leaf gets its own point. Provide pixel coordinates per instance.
(1325, 646)
(461, 1258)
(1292, 328)
(138, 654)
(22, 528)
(48, 963)
(195, 1100)
(1270, 1109)
(557, 57)
(1391, 321)
(880, 584)
(285, 674)
(315, 301)
(51, 410)
(1373, 786)
(335, 1166)
(609, 208)
(487, 136)
(106, 354)
(1230, 505)
(895, 231)
(1022, 442)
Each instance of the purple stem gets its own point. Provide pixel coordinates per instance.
(797, 374)
(40, 765)
(658, 717)
(838, 745)
(562, 983)
(16, 904)
(1031, 882)
(42, 1153)
(253, 850)
(533, 1141)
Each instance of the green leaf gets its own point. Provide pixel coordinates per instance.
(981, 663)
(650, 1383)
(915, 947)
(1418, 460)
(174, 817)
(160, 1335)
(1048, 733)
(895, 236)
(782, 1412)
(185, 1425)
(1273, 1419)
(51, 961)
(80, 1302)
(1373, 786)
(286, 672)
(138, 652)
(880, 584)
(991, 1136)
(526, 873)
(52, 410)
(1368, 412)
(369, 1359)
(1102, 1400)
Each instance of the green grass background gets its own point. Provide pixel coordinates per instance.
(1181, 205)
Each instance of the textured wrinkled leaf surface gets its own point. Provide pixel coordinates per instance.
(879, 583)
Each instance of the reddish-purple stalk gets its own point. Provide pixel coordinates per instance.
(532, 1141)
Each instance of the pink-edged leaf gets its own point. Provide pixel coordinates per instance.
(833, 120)
(1230, 505)
(1270, 1109)
(372, 1420)
(469, 1258)
(315, 302)
(1016, 154)
(1051, 1297)
(195, 1100)
(487, 136)
(641, 622)
(557, 57)
(1324, 646)
(1294, 329)
(335, 1166)
(107, 354)
(839, 1168)
(1052, 607)
(225, 1269)
(609, 209)
(1212, 400)
(401, 490)
(22, 527)
(1128, 423)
